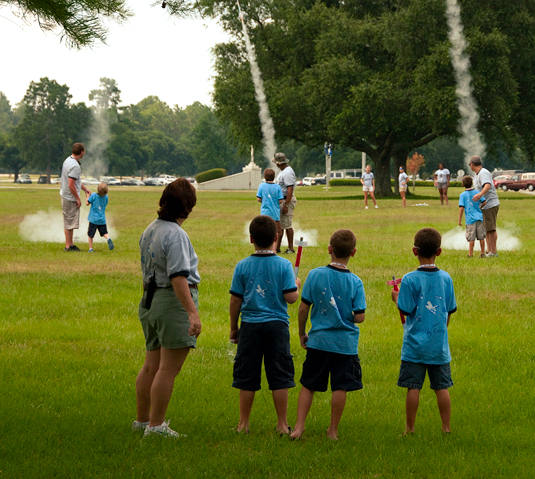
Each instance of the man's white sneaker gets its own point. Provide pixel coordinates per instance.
(162, 430)
(376, 206)
(139, 426)
(366, 207)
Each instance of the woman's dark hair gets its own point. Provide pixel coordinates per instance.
(177, 201)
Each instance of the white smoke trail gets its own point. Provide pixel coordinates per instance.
(95, 163)
(268, 129)
(455, 239)
(471, 140)
(47, 227)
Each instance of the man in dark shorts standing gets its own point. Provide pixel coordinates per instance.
(71, 184)
(483, 182)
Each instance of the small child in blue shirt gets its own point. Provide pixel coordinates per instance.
(262, 286)
(427, 299)
(338, 304)
(97, 217)
(271, 197)
(474, 216)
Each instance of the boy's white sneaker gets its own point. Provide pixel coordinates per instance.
(139, 426)
(162, 430)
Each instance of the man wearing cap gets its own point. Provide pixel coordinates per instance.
(286, 180)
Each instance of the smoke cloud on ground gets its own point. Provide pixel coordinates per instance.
(455, 239)
(47, 227)
(268, 129)
(471, 140)
(310, 236)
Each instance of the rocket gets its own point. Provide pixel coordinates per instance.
(239, 9)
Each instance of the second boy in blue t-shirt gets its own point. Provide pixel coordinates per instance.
(338, 303)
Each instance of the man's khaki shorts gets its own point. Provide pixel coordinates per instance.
(489, 218)
(286, 220)
(71, 214)
(402, 188)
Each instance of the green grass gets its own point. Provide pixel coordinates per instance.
(71, 347)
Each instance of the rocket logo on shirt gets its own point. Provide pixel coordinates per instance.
(431, 308)
(260, 291)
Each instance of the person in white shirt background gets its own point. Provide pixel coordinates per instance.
(442, 179)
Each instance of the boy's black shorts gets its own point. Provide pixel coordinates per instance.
(270, 341)
(93, 229)
(344, 369)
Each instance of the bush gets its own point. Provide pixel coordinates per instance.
(211, 175)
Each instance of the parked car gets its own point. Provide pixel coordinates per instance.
(299, 183)
(90, 181)
(42, 180)
(520, 181)
(308, 181)
(55, 181)
(191, 180)
(320, 180)
(499, 180)
(132, 182)
(166, 179)
(110, 180)
(24, 178)
(152, 182)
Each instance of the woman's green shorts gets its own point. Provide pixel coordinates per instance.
(166, 323)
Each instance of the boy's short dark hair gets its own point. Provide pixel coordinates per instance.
(102, 189)
(177, 200)
(467, 181)
(343, 243)
(269, 174)
(77, 148)
(427, 241)
(263, 230)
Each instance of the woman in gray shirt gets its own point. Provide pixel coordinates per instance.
(169, 309)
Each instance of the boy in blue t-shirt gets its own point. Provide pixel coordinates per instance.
(97, 217)
(271, 197)
(474, 216)
(427, 298)
(338, 303)
(262, 285)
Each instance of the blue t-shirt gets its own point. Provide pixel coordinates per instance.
(334, 294)
(426, 297)
(270, 193)
(472, 211)
(261, 281)
(98, 207)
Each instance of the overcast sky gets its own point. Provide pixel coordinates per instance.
(151, 54)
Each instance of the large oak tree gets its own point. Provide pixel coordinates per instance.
(376, 76)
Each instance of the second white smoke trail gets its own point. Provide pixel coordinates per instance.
(471, 140)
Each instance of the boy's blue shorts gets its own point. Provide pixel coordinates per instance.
(92, 229)
(412, 375)
(344, 369)
(270, 341)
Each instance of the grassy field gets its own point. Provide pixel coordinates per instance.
(71, 347)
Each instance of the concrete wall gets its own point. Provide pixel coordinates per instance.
(249, 179)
